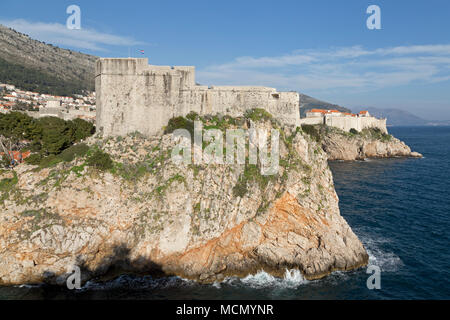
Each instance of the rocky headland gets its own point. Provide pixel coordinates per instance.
(369, 143)
(121, 205)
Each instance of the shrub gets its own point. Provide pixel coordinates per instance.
(50, 161)
(311, 131)
(354, 131)
(34, 159)
(48, 135)
(100, 160)
(257, 114)
(82, 129)
(386, 137)
(180, 123)
(8, 183)
(193, 116)
(377, 134)
(4, 161)
(240, 189)
(74, 151)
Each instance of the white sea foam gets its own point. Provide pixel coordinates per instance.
(29, 286)
(292, 279)
(386, 260)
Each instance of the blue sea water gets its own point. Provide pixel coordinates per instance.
(399, 208)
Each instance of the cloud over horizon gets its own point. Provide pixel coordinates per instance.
(58, 34)
(342, 69)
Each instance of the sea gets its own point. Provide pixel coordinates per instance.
(399, 208)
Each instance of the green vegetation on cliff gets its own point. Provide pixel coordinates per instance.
(47, 137)
(100, 160)
(317, 132)
(6, 185)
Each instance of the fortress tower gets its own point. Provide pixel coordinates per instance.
(134, 96)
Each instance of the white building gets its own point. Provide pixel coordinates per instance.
(343, 121)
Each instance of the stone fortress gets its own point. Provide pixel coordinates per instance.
(344, 121)
(135, 96)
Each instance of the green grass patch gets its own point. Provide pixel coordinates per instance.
(251, 174)
(160, 190)
(7, 185)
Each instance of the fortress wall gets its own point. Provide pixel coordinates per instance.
(118, 91)
(358, 123)
(343, 123)
(311, 121)
(372, 122)
(234, 101)
(133, 96)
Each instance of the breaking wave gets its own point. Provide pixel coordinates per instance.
(387, 261)
(378, 256)
(292, 279)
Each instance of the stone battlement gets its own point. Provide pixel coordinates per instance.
(135, 96)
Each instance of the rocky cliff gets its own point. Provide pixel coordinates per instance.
(146, 214)
(340, 145)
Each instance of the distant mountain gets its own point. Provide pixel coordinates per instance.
(36, 66)
(397, 117)
(308, 103)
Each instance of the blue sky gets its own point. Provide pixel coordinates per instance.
(320, 48)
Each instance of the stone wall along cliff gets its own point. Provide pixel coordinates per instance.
(134, 96)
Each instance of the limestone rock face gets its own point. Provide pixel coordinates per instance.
(340, 146)
(154, 216)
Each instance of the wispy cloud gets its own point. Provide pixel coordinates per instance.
(337, 69)
(58, 34)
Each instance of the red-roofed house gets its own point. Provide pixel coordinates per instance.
(18, 156)
(313, 113)
(364, 113)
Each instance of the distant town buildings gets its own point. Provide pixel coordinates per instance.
(42, 105)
